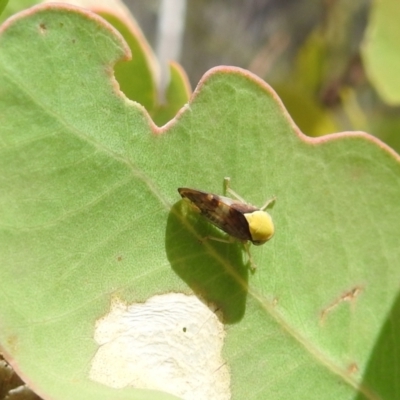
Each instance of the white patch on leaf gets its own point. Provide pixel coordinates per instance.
(171, 343)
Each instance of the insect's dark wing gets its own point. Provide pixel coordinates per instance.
(224, 213)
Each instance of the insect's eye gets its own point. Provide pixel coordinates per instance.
(261, 226)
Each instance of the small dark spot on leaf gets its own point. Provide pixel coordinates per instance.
(61, 25)
(119, 258)
(353, 368)
(42, 27)
(184, 329)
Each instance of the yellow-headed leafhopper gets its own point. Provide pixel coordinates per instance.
(237, 218)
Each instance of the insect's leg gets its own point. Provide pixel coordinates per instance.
(216, 239)
(268, 203)
(227, 190)
(246, 246)
(226, 183)
(252, 265)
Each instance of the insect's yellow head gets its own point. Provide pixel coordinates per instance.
(261, 226)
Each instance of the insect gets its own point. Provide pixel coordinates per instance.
(240, 220)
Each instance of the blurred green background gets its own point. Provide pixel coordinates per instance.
(309, 51)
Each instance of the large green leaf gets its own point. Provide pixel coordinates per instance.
(90, 217)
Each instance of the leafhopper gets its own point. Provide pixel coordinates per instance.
(240, 220)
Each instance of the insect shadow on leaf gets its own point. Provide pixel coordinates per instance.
(215, 272)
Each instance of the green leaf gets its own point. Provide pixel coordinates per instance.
(15, 6)
(309, 115)
(176, 96)
(299, 93)
(381, 50)
(90, 216)
(3, 4)
(137, 77)
(388, 127)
